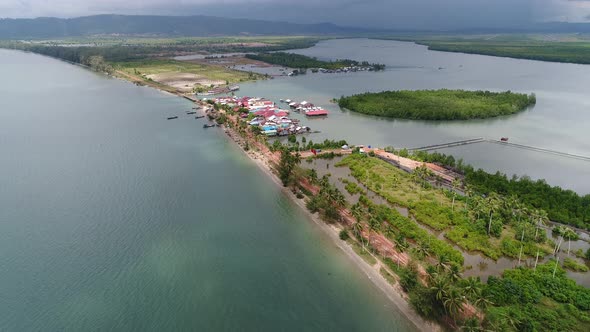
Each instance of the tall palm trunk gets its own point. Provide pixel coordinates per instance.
(521, 245)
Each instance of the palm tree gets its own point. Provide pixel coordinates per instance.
(569, 234)
(456, 185)
(493, 204)
(443, 262)
(453, 302)
(454, 272)
(542, 219)
(374, 225)
(482, 301)
(340, 200)
(423, 249)
(357, 228)
(440, 285)
(390, 231)
(472, 287)
(471, 325)
(508, 319)
(357, 212)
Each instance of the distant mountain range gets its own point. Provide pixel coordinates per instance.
(49, 27)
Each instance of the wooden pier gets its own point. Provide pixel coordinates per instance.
(537, 149)
(496, 141)
(449, 145)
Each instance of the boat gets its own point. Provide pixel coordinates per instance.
(504, 139)
(317, 112)
(191, 113)
(199, 116)
(172, 117)
(208, 125)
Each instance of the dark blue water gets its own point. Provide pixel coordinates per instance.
(113, 218)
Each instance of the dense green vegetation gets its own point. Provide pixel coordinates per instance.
(570, 48)
(563, 206)
(292, 60)
(146, 49)
(541, 298)
(495, 225)
(438, 104)
(544, 299)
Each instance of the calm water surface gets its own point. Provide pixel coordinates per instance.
(559, 121)
(112, 218)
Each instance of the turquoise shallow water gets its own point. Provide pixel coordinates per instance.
(112, 218)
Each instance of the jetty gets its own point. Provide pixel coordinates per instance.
(537, 149)
(449, 145)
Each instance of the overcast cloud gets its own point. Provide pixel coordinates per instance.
(409, 14)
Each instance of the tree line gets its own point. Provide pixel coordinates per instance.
(562, 205)
(441, 104)
(292, 60)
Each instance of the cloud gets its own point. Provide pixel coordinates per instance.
(424, 14)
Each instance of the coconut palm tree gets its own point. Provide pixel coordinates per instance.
(453, 302)
(569, 234)
(357, 228)
(542, 219)
(493, 202)
(442, 262)
(482, 301)
(456, 185)
(472, 287)
(400, 243)
(423, 249)
(374, 225)
(454, 272)
(357, 212)
(440, 285)
(508, 319)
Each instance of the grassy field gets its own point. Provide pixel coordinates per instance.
(166, 71)
(434, 207)
(136, 59)
(555, 48)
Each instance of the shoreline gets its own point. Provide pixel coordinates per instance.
(372, 272)
(393, 293)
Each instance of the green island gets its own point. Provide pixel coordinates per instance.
(292, 60)
(438, 104)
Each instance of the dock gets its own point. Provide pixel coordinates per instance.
(449, 145)
(501, 142)
(537, 149)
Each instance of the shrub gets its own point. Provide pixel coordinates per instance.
(344, 235)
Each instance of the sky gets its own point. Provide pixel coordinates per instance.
(409, 14)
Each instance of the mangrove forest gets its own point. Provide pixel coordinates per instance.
(438, 104)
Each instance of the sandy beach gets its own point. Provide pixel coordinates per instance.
(393, 292)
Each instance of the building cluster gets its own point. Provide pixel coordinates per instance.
(265, 114)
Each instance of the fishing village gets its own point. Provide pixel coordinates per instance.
(403, 216)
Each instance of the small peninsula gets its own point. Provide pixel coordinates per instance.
(441, 104)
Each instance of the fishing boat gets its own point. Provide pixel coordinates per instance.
(208, 125)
